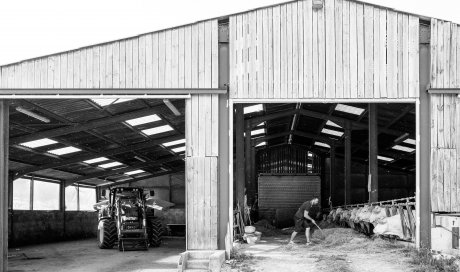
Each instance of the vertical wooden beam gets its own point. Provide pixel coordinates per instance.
(248, 160)
(347, 163)
(332, 180)
(239, 150)
(373, 151)
(4, 135)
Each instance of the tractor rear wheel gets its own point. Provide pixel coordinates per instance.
(155, 231)
(106, 233)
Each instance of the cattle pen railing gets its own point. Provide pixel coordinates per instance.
(348, 215)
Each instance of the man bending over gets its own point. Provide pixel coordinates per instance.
(303, 219)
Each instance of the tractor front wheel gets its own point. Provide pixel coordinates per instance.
(106, 233)
(155, 231)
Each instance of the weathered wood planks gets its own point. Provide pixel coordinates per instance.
(172, 58)
(202, 171)
(348, 50)
(445, 117)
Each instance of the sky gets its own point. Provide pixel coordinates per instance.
(31, 28)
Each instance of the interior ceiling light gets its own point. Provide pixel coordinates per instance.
(134, 172)
(261, 144)
(181, 141)
(100, 159)
(349, 109)
(332, 132)
(261, 124)
(310, 154)
(33, 114)
(64, 150)
(321, 144)
(179, 149)
(157, 130)
(164, 169)
(110, 164)
(107, 101)
(143, 120)
(383, 158)
(403, 148)
(409, 141)
(332, 124)
(171, 106)
(38, 143)
(257, 132)
(253, 108)
(309, 165)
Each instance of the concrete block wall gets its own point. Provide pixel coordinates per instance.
(34, 227)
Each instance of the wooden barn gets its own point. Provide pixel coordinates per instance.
(337, 99)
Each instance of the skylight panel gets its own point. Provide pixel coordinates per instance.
(322, 145)
(157, 130)
(181, 141)
(383, 158)
(253, 108)
(179, 149)
(349, 109)
(100, 159)
(409, 141)
(332, 124)
(257, 132)
(108, 101)
(143, 120)
(261, 144)
(134, 172)
(64, 150)
(38, 143)
(110, 164)
(403, 148)
(332, 132)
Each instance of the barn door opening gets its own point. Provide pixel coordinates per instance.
(343, 153)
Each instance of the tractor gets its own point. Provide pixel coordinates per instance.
(127, 217)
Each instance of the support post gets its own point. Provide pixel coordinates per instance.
(332, 192)
(347, 163)
(4, 135)
(247, 164)
(239, 150)
(423, 197)
(373, 151)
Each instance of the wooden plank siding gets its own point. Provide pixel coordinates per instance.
(163, 59)
(445, 117)
(344, 50)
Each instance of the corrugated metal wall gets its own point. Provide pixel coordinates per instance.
(445, 117)
(280, 192)
(344, 50)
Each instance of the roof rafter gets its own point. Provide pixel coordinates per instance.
(119, 170)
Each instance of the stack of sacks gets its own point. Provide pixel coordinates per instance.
(251, 236)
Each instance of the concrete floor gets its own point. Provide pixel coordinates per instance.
(84, 255)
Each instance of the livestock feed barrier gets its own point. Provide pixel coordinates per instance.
(391, 218)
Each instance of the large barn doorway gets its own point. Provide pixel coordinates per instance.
(64, 153)
(287, 153)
